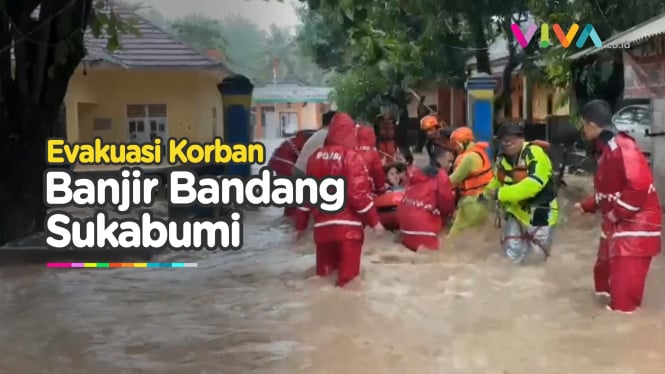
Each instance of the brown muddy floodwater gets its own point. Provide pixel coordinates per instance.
(463, 310)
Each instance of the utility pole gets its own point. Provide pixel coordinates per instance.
(275, 64)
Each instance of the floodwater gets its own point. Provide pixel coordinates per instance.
(463, 310)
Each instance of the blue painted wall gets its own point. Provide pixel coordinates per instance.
(237, 131)
(483, 123)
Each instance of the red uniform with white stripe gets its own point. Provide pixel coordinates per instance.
(372, 159)
(339, 236)
(631, 220)
(284, 157)
(428, 201)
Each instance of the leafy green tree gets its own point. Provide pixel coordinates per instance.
(400, 44)
(41, 45)
(608, 17)
(246, 42)
(247, 49)
(278, 51)
(361, 92)
(200, 32)
(156, 18)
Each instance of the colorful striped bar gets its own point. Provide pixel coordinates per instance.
(115, 265)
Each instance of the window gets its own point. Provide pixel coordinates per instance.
(521, 107)
(288, 122)
(146, 122)
(643, 117)
(633, 115)
(550, 104)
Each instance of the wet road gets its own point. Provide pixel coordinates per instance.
(463, 310)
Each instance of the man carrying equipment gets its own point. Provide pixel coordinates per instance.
(525, 188)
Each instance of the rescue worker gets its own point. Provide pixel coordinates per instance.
(628, 204)
(371, 159)
(385, 129)
(438, 135)
(524, 186)
(284, 157)
(313, 143)
(339, 236)
(389, 143)
(427, 204)
(472, 172)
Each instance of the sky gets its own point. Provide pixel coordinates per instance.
(263, 13)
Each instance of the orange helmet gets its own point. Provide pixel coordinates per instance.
(429, 122)
(462, 135)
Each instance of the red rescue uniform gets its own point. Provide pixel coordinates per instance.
(371, 159)
(339, 236)
(284, 157)
(631, 220)
(428, 201)
(387, 144)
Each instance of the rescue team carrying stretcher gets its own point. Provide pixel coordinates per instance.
(459, 185)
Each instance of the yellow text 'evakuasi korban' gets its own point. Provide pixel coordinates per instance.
(178, 151)
(182, 151)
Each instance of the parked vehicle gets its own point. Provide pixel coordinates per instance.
(636, 120)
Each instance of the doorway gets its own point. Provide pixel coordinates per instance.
(269, 122)
(288, 122)
(146, 122)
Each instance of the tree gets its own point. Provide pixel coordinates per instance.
(361, 92)
(278, 52)
(608, 17)
(246, 46)
(200, 32)
(407, 43)
(41, 45)
(156, 18)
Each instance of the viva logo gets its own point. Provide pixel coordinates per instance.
(564, 38)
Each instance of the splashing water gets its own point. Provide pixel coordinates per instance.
(463, 309)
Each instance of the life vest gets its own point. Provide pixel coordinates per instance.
(476, 182)
(518, 172)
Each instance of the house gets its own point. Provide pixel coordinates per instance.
(297, 105)
(644, 78)
(154, 86)
(531, 100)
(448, 103)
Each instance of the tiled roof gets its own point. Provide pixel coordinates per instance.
(291, 92)
(633, 36)
(152, 48)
